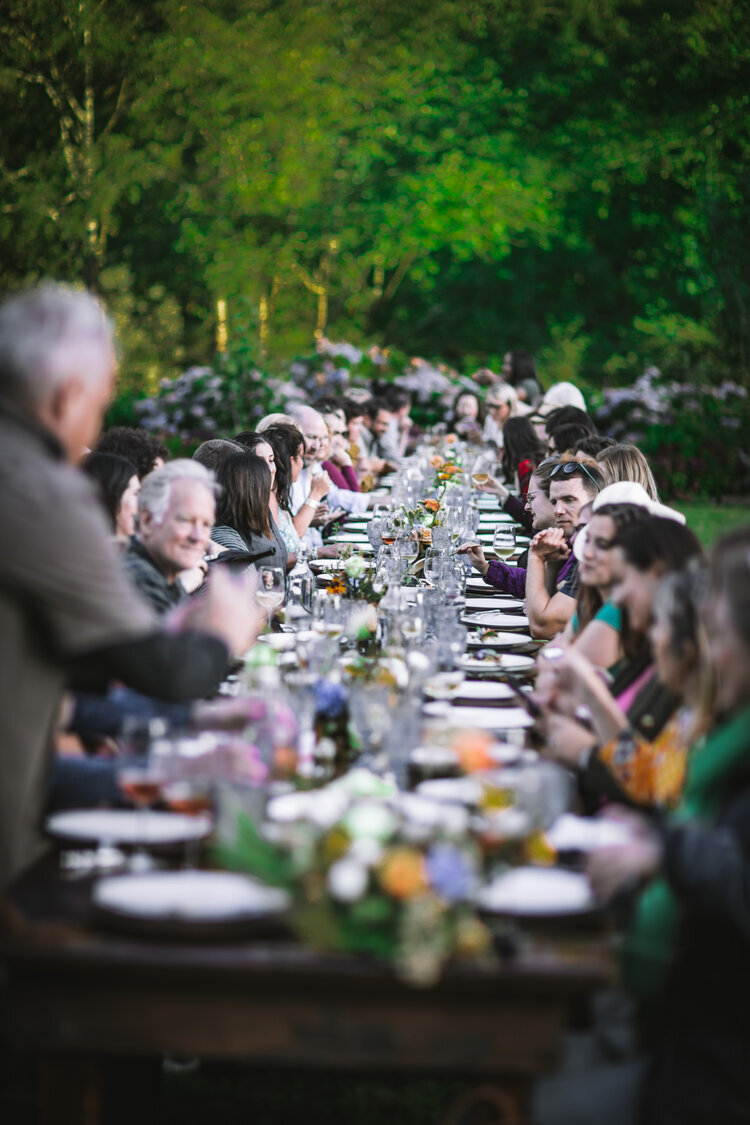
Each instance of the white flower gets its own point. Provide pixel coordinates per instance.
(347, 880)
(354, 566)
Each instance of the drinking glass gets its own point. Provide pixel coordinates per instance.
(481, 471)
(374, 532)
(270, 593)
(370, 719)
(407, 545)
(441, 537)
(504, 542)
(433, 564)
(140, 780)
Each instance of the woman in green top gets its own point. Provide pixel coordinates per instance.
(689, 945)
(597, 628)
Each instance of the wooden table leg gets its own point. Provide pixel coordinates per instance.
(490, 1104)
(69, 1089)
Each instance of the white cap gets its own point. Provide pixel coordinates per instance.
(625, 492)
(562, 394)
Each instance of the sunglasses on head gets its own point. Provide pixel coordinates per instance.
(567, 468)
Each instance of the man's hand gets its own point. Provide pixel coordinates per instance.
(322, 516)
(319, 487)
(476, 556)
(565, 739)
(550, 544)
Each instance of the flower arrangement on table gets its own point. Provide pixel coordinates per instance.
(366, 878)
(356, 579)
(372, 870)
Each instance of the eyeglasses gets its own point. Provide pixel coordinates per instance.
(567, 468)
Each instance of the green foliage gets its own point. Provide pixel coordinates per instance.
(450, 179)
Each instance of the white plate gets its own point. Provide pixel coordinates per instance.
(458, 790)
(586, 834)
(498, 663)
(496, 619)
(541, 892)
(500, 640)
(126, 826)
(189, 896)
(500, 601)
(494, 517)
(350, 537)
(483, 689)
(484, 718)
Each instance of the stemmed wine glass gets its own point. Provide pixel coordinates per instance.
(140, 780)
(504, 542)
(433, 564)
(270, 593)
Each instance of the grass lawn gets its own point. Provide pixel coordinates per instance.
(709, 520)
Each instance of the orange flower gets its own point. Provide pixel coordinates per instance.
(402, 873)
(450, 439)
(436, 462)
(472, 747)
(431, 505)
(336, 587)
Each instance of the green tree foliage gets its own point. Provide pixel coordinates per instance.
(448, 178)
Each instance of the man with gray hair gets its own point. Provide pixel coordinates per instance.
(68, 615)
(176, 511)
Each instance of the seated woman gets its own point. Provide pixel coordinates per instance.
(625, 462)
(338, 462)
(522, 452)
(637, 704)
(466, 416)
(598, 627)
(288, 446)
(688, 946)
(118, 485)
(244, 525)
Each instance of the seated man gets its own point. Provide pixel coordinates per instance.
(552, 573)
(67, 613)
(315, 432)
(550, 581)
(176, 511)
(512, 579)
(373, 443)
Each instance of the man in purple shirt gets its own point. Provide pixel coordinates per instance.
(549, 588)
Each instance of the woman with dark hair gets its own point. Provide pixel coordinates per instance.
(519, 369)
(118, 486)
(598, 627)
(637, 705)
(687, 948)
(244, 524)
(466, 416)
(288, 446)
(522, 452)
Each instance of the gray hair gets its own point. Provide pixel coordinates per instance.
(48, 334)
(273, 420)
(157, 486)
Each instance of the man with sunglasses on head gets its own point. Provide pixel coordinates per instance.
(552, 571)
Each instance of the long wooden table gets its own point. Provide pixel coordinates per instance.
(78, 996)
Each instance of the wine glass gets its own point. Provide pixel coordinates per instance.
(433, 563)
(407, 545)
(481, 470)
(270, 593)
(504, 542)
(374, 532)
(140, 781)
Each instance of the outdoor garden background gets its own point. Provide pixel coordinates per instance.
(244, 180)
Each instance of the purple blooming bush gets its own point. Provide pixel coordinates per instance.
(696, 437)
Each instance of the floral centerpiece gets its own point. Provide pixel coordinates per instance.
(366, 877)
(357, 580)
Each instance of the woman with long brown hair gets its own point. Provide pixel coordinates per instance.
(243, 518)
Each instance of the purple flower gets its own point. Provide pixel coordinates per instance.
(449, 872)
